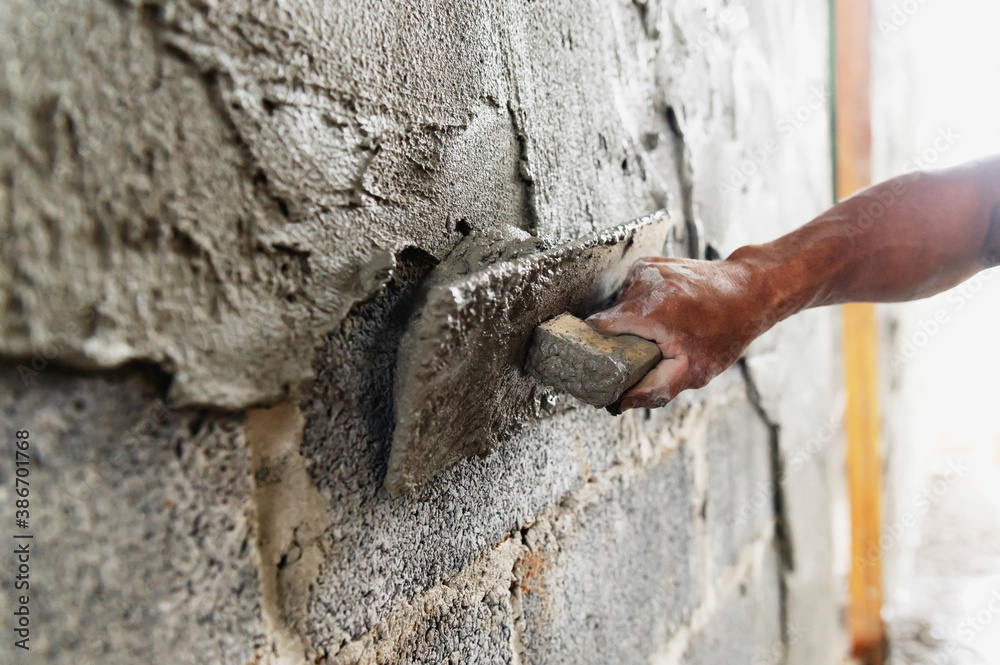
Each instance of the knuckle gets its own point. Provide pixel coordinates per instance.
(635, 271)
(642, 265)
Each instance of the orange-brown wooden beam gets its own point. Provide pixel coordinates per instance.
(852, 66)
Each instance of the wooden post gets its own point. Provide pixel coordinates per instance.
(852, 49)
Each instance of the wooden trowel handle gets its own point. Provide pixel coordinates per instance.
(569, 355)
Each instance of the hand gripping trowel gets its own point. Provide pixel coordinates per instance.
(474, 362)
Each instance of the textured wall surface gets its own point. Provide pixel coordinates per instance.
(213, 219)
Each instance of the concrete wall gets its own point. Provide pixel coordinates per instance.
(214, 217)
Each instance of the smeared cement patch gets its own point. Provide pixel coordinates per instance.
(291, 516)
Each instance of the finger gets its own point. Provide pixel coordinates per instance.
(659, 386)
(630, 317)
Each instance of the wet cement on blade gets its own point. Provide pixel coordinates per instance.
(461, 386)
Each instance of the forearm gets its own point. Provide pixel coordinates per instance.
(903, 239)
(907, 238)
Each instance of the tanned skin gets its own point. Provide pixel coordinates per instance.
(904, 239)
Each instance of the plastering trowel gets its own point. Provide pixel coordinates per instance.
(474, 362)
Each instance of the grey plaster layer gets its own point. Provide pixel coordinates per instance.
(468, 340)
(210, 187)
(746, 626)
(768, 171)
(754, 189)
(612, 573)
(740, 499)
(142, 522)
(381, 552)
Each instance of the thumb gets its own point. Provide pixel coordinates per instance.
(625, 318)
(663, 383)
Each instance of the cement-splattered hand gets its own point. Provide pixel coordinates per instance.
(702, 314)
(907, 238)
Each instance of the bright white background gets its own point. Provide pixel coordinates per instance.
(937, 72)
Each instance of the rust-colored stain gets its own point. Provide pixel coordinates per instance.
(532, 568)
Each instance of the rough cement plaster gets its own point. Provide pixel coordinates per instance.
(206, 196)
(221, 183)
(143, 525)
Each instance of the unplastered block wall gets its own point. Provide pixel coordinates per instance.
(214, 218)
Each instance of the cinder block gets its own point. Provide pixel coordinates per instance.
(746, 626)
(612, 581)
(478, 632)
(142, 528)
(740, 490)
(467, 619)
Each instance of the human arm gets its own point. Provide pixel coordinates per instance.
(907, 238)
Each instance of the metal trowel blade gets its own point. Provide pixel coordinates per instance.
(460, 383)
